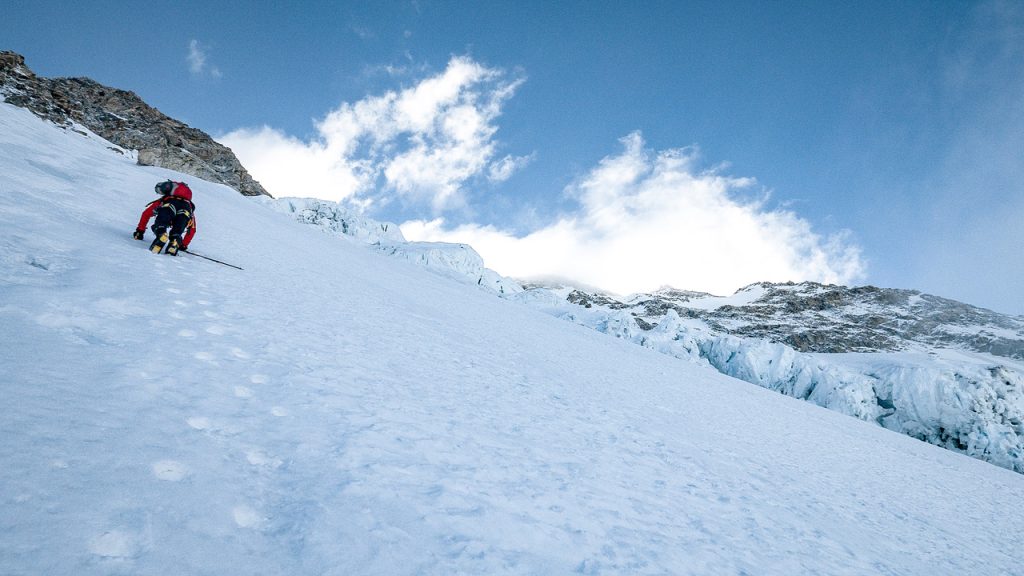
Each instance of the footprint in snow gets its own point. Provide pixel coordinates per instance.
(204, 356)
(243, 392)
(170, 470)
(199, 422)
(239, 353)
(114, 544)
(258, 458)
(258, 379)
(215, 330)
(246, 517)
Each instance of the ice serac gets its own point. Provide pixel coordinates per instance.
(338, 219)
(122, 118)
(457, 261)
(935, 369)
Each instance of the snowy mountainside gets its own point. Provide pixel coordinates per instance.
(812, 317)
(330, 410)
(938, 370)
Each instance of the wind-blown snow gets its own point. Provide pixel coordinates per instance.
(329, 410)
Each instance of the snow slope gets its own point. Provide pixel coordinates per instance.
(329, 410)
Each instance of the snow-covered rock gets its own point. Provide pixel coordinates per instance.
(122, 118)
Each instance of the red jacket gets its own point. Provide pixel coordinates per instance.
(180, 191)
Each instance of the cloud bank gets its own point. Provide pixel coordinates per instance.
(422, 144)
(644, 218)
(647, 219)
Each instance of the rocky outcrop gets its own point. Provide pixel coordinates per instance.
(812, 317)
(122, 118)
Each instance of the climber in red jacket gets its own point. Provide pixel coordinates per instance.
(175, 211)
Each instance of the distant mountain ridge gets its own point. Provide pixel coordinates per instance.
(813, 317)
(122, 118)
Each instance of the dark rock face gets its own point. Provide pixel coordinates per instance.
(122, 118)
(589, 300)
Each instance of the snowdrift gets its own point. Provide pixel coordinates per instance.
(330, 410)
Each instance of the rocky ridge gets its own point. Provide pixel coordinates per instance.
(122, 118)
(812, 317)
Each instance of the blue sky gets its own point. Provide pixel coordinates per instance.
(626, 144)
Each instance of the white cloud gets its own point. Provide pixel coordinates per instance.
(289, 164)
(196, 57)
(423, 143)
(645, 218)
(649, 219)
(505, 168)
(197, 60)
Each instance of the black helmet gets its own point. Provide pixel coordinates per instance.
(164, 188)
